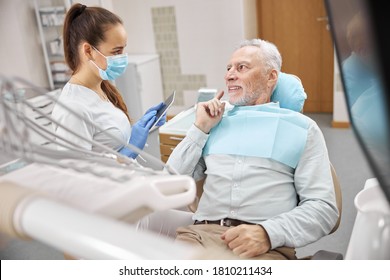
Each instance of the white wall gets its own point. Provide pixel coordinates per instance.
(340, 113)
(207, 30)
(20, 51)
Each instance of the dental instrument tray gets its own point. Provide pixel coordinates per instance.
(103, 182)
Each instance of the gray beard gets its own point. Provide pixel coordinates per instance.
(247, 99)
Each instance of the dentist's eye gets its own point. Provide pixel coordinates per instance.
(117, 51)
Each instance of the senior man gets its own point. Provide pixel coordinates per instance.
(268, 186)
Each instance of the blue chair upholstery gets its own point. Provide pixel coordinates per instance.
(289, 92)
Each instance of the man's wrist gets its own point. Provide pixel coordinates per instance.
(268, 240)
(203, 128)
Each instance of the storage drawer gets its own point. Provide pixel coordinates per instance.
(164, 158)
(168, 142)
(171, 139)
(166, 149)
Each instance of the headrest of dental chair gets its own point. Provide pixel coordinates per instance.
(289, 92)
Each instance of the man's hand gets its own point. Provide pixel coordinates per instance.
(209, 114)
(247, 241)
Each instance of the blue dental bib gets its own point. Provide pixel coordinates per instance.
(266, 131)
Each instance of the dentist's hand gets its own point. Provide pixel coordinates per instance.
(156, 108)
(139, 133)
(209, 114)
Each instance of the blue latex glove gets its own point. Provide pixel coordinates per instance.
(139, 133)
(156, 108)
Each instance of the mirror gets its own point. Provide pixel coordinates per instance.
(358, 43)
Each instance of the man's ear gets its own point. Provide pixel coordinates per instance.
(272, 78)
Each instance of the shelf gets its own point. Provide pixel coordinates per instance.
(59, 84)
(52, 9)
(50, 26)
(62, 71)
(50, 17)
(56, 58)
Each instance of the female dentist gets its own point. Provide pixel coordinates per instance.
(94, 42)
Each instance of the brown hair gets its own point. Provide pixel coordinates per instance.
(89, 24)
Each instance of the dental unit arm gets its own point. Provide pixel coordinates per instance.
(80, 201)
(28, 214)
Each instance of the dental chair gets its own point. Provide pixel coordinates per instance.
(82, 202)
(291, 85)
(319, 255)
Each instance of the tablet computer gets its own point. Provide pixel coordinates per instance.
(167, 103)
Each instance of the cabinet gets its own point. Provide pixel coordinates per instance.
(174, 131)
(168, 142)
(50, 18)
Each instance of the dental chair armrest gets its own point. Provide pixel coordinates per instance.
(327, 255)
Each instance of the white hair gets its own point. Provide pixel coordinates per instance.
(270, 53)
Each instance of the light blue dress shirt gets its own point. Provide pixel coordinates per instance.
(296, 206)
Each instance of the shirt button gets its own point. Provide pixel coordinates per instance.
(239, 161)
(235, 185)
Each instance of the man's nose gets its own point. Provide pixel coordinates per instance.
(230, 76)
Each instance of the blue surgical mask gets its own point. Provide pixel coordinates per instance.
(116, 66)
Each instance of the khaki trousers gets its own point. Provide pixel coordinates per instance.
(207, 239)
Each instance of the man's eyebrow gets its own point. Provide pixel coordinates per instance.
(243, 62)
(238, 63)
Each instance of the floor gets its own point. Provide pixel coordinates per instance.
(347, 158)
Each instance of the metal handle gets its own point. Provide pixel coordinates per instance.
(322, 19)
(176, 138)
(43, 106)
